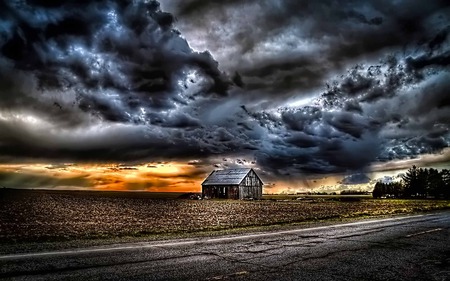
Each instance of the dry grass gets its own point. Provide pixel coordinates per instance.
(56, 216)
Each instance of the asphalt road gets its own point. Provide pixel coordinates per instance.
(402, 248)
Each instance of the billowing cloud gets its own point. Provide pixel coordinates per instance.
(355, 179)
(287, 48)
(289, 87)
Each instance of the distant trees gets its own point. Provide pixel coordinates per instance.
(417, 183)
(393, 189)
(446, 180)
(420, 182)
(354, 192)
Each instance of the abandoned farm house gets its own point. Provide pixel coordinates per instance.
(232, 184)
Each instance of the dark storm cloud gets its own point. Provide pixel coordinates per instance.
(113, 55)
(113, 81)
(355, 179)
(289, 47)
(408, 116)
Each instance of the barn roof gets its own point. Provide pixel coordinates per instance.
(228, 176)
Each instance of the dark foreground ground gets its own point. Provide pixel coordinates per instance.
(415, 247)
(60, 216)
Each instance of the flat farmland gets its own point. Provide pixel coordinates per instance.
(46, 216)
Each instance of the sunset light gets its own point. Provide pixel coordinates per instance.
(225, 140)
(167, 177)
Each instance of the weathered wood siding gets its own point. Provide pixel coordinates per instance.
(250, 187)
(221, 191)
(233, 192)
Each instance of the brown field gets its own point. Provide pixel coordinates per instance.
(64, 215)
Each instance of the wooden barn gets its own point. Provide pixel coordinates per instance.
(232, 184)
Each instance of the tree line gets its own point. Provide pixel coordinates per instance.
(417, 183)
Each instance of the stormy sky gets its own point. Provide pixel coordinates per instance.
(292, 88)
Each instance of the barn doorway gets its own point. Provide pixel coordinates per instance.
(222, 192)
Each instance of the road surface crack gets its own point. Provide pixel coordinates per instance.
(50, 268)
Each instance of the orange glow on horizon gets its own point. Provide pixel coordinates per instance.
(155, 177)
(183, 176)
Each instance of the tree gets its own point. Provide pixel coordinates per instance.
(377, 190)
(411, 182)
(422, 182)
(445, 174)
(435, 183)
(397, 189)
